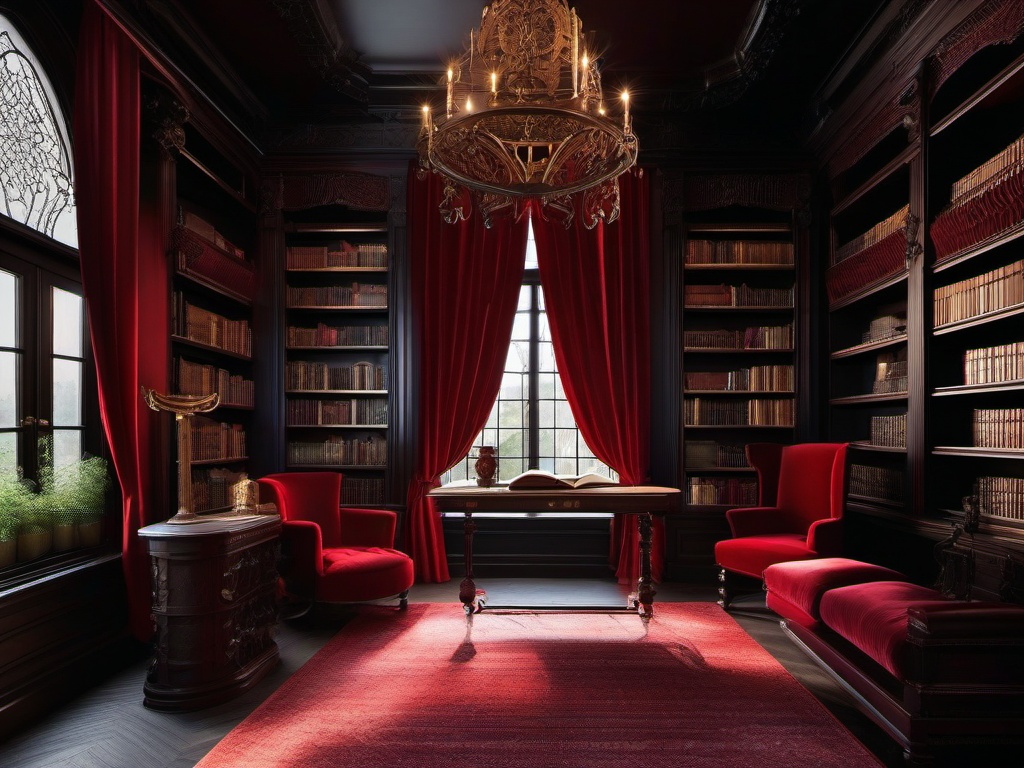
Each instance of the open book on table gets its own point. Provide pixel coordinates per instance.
(538, 479)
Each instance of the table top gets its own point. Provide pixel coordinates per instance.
(609, 498)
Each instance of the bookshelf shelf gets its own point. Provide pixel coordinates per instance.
(890, 397)
(337, 270)
(739, 392)
(991, 243)
(870, 290)
(861, 445)
(982, 453)
(215, 462)
(356, 392)
(869, 346)
(738, 268)
(337, 426)
(738, 426)
(337, 308)
(740, 310)
(1016, 385)
(734, 351)
(209, 348)
(978, 320)
(353, 467)
(215, 288)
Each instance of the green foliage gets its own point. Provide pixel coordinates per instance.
(72, 494)
(17, 502)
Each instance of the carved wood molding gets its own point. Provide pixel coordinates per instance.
(314, 27)
(165, 118)
(362, 191)
(701, 192)
(996, 22)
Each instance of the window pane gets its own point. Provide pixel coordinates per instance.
(67, 393)
(546, 357)
(8, 309)
(9, 459)
(67, 447)
(67, 323)
(35, 164)
(9, 364)
(563, 416)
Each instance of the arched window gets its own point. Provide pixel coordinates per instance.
(36, 179)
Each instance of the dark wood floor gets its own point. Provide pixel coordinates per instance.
(109, 728)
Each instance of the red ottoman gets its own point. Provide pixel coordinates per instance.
(794, 589)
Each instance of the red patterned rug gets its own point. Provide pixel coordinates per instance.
(530, 690)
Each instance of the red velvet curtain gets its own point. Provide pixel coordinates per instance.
(124, 276)
(465, 290)
(597, 292)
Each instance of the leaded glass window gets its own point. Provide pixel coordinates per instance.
(36, 179)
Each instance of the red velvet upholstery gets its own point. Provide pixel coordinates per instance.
(794, 589)
(873, 617)
(332, 554)
(801, 522)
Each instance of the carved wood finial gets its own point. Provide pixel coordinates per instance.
(167, 117)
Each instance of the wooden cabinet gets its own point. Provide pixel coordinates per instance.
(214, 587)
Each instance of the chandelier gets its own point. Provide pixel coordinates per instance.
(525, 119)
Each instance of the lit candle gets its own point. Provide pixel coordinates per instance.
(426, 117)
(469, 104)
(494, 83)
(575, 52)
(583, 76)
(450, 74)
(625, 115)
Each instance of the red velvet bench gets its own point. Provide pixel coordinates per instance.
(940, 676)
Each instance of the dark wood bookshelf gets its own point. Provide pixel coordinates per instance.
(869, 346)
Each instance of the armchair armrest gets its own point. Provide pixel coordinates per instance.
(368, 527)
(302, 558)
(826, 537)
(758, 521)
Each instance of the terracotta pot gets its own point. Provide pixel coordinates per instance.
(8, 552)
(33, 544)
(90, 534)
(65, 537)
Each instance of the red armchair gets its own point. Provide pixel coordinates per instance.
(801, 492)
(334, 554)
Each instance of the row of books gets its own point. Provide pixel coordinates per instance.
(216, 440)
(305, 374)
(214, 488)
(1001, 496)
(876, 482)
(358, 410)
(737, 296)
(734, 491)
(758, 378)
(204, 327)
(989, 174)
(199, 379)
(997, 289)
(774, 412)
(889, 431)
(336, 450)
(757, 337)
(885, 327)
(354, 295)
(340, 254)
(890, 373)
(876, 262)
(362, 490)
(998, 427)
(709, 454)
(987, 365)
(738, 252)
(883, 229)
(344, 336)
(200, 226)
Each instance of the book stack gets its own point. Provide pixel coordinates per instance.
(985, 202)
(737, 296)
(340, 451)
(876, 482)
(196, 224)
(226, 270)
(991, 291)
(988, 365)
(362, 490)
(342, 254)
(718, 490)
(886, 327)
(890, 374)
(889, 431)
(212, 488)
(758, 378)
(750, 252)
(213, 440)
(878, 253)
(197, 379)
(1001, 497)
(307, 375)
(354, 295)
(345, 336)
(204, 327)
(769, 412)
(368, 411)
(998, 427)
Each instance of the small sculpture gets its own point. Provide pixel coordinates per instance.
(486, 465)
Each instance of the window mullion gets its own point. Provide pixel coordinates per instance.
(533, 412)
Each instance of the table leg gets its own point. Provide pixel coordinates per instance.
(645, 585)
(472, 598)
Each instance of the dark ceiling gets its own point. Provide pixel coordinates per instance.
(289, 62)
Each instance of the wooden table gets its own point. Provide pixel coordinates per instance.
(642, 501)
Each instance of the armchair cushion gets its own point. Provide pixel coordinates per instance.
(750, 555)
(352, 573)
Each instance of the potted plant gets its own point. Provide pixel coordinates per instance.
(16, 499)
(73, 498)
